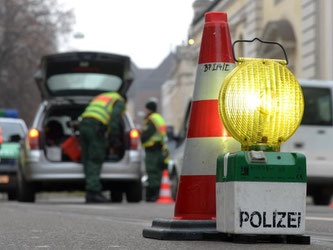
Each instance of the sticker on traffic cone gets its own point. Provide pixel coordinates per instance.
(195, 210)
(165, 191)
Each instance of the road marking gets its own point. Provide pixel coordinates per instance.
(319, 218)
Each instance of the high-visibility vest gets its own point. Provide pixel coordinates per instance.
(100, 108)
(160, 129)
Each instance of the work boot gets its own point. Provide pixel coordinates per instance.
(152, 194)
(95, 197)
(149, 195)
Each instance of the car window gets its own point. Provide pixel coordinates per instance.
(84, 81)
(11, 128)
(318, 106)
(183, 131)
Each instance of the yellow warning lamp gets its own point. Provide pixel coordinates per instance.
(261, 102)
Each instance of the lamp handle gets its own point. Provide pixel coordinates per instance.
(250, 41)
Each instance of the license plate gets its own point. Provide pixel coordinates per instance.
(4, 178)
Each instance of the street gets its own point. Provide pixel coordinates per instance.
(56, 222)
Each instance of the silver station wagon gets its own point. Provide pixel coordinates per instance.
(67, 82)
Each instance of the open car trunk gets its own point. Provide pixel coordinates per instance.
(65, 78)
(83, 74)
(61, 122)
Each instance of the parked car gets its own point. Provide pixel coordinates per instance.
(67, 82)
(13, 131)
(176, 144)
(314, 138)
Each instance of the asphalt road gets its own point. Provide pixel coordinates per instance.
(68, 223)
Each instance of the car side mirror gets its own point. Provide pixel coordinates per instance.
(15, 138)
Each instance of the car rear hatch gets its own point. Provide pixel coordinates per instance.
(83, 74)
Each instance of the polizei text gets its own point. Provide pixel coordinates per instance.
(273, 219)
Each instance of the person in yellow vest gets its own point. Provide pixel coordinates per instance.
(157, 154)
(101, 115)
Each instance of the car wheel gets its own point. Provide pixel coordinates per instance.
(12, 195)
(321, 198)
(26, 192)
(116, 196)
(174, 184)
(134, 192)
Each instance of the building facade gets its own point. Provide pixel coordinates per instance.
(302, 27)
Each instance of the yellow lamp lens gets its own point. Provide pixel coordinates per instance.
(261, 103)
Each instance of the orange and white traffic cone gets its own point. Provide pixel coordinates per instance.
(165, 191)
(195, 209)
(206, 137)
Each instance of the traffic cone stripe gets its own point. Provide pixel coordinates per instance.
(212, 76)
(205, 120)
(165, 179)
(165, 193)
(196, 161)
(200, 194)
(165, 185)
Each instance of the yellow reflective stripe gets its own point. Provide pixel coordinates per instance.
(101, 106)
(114, 98)
(165, 148)
(99, 103)
(99, 111)
(148, 143)
(158, 123)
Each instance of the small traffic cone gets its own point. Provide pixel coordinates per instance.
(165, 191)
(195, 208)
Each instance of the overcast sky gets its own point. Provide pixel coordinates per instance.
(145, 30)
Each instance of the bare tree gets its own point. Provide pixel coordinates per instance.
(28, 30)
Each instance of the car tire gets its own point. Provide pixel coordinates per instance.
(321, 197)
(12, 195)
(174, 184)
(134, 192)
(26, 192)
(116, 196)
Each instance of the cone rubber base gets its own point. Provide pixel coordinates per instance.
(205, 230)
(163, 229)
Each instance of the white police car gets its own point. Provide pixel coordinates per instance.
(13, 130)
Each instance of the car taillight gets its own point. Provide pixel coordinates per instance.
(134, 138)
(33, 138)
